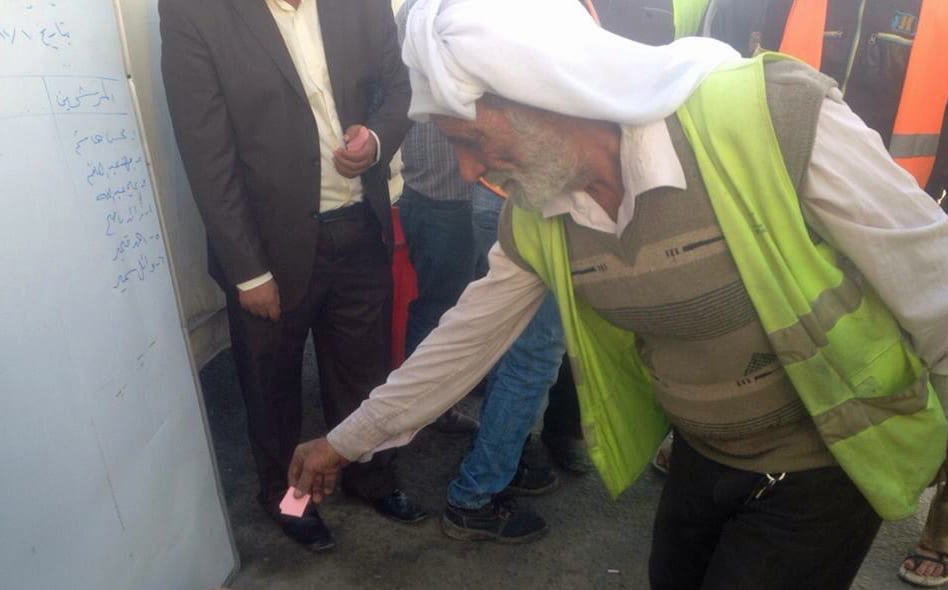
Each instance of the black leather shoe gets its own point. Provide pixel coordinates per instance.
(308, 530)
(455, 422)
(399, 508)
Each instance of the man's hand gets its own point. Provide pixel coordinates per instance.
(355, 159)
(314, 469)
(262, 301)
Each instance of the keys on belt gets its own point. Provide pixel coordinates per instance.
(763, 487)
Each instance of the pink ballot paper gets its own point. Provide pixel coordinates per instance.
(358, 141)
(293, 507)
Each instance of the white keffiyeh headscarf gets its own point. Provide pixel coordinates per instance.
(548, 54)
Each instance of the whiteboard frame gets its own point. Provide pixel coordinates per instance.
(126, 61)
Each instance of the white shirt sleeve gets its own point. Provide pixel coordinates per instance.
(255, 282)
(469, 340)
(864, 204)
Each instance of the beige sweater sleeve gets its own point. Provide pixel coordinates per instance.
(469, 340)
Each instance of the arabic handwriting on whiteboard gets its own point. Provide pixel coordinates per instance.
(142, 268)
(129, 190)
(51, 34)
(86, 98)
(129, 215)
(126, 163)
(108, 170)
(130, 242)
(109, 136)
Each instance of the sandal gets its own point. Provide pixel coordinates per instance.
(911, 577)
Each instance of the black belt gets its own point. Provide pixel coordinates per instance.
(354, 211)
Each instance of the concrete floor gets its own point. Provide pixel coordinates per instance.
(594, 543)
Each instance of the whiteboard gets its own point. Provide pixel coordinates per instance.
(109, 481)
(202, 302)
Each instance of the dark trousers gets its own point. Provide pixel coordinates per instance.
(810, 531)
(441, 248)
(348, 310)
(562, 418)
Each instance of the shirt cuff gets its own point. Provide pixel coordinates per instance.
(255, 282)
(378, 147)
(356, 438)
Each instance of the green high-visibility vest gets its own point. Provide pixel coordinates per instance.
(687, 16)
(866, 390)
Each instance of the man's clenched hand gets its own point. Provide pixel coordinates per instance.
(262, 301)
(355, 159)
(314, 469)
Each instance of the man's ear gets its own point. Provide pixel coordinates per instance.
(491, 113)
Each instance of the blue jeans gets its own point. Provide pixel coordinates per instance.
(441, 248)
(516, 388)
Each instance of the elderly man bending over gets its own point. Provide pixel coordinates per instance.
(732, 251)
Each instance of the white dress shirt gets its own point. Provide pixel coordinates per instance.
(853, 195)
(300, 30)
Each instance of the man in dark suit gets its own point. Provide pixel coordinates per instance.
(286, 113)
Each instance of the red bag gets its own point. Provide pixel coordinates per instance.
(404, 290)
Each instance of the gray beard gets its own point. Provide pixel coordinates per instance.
(549, 166)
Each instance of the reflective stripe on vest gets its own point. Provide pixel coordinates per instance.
(868, 393)
(803, 34)
(687, 16)
(924, 94)
(919, 117)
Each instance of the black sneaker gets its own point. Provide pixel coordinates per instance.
(399, 508)
(532, 480)
(500, 521)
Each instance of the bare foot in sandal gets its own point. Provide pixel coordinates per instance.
(924, 568)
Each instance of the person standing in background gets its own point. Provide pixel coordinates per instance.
(286, 114)
(435, 212)
(446, 241)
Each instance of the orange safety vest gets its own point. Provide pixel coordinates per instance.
(921, 109)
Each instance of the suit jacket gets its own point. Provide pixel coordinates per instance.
(247, 134)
